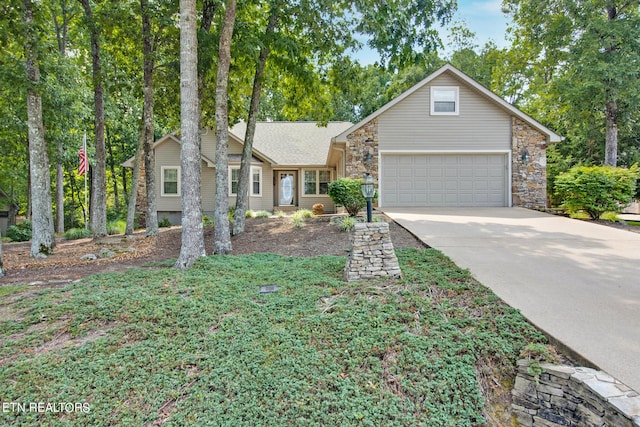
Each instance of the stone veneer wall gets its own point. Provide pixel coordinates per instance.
(362, 141)
(372, 255)
(529, 181)
(567, 396)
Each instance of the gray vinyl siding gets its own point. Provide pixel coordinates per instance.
(168, 154)
(307, 201)
(480, 125)
(208, 141)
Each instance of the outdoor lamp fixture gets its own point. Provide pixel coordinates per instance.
(368, 191)
(367, 158)
(525, 156)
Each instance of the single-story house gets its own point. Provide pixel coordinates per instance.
(8, 211)
(447, 141)
(288, 167)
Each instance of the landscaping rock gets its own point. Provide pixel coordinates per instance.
(88, 257)
(106, 253)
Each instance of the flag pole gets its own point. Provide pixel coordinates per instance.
(84, 147)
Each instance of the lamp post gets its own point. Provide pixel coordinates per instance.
(368, 191)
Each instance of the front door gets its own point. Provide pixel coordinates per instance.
(286, 188)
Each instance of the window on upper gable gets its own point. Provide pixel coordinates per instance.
(445, 101)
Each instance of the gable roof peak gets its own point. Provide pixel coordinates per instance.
(478, 87)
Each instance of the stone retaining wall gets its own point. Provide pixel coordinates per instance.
(372, 255)
(567, 396)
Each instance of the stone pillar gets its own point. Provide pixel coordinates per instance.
(360, 143)
(372, 255)
(529, 177)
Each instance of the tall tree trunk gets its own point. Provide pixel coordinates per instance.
(98, 206)
(135, 177)
(611, 145)
(244, 182)
(147, 113)
(61, 36)
(42, 240)
(114, 177)
(192, 246)
(208, 13)
(222, 235)
(611, 107)
(60, 189)
(2, 272)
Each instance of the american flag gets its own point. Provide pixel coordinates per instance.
(82, 154)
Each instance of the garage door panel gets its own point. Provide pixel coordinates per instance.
(444, 180)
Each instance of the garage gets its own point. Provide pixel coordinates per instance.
(474, 179)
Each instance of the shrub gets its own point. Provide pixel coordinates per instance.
(304, 213)
(347, 192)
(20, 232)
(249, 214)
(280, 214)
(262, 214)
(297, 221)
(116, 227)
(347, 223)
(596, 189)
(318, 209)
(165, 222)
(77, 233)
(207, 221)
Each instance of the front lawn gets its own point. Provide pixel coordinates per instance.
(205, 347)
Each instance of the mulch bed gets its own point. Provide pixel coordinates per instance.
(317, 237)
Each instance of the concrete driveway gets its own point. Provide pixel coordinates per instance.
(577, 281)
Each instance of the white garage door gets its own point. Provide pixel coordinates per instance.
(444, 180)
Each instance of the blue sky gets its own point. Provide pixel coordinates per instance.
(483, 17)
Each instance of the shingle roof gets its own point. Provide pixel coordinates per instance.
(293, 143)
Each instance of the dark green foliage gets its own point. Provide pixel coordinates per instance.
(164, 222)
(596, 189)
(20, 232)
(317, 352)
(347, 192)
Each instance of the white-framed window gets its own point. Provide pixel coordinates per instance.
(316, 182)
(445, 100)
(170, 181)
(256, 180)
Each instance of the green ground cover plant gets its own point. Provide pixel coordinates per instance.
(77, 233)
(205, 347)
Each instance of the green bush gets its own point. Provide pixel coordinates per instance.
(20, 232)
(304, 213)
(347, 192)
(164, 222)
(347, 224)
(77, 233)
(116, 227)
(262, 214)
(297, 221)
(249, 214)
(596, 189)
